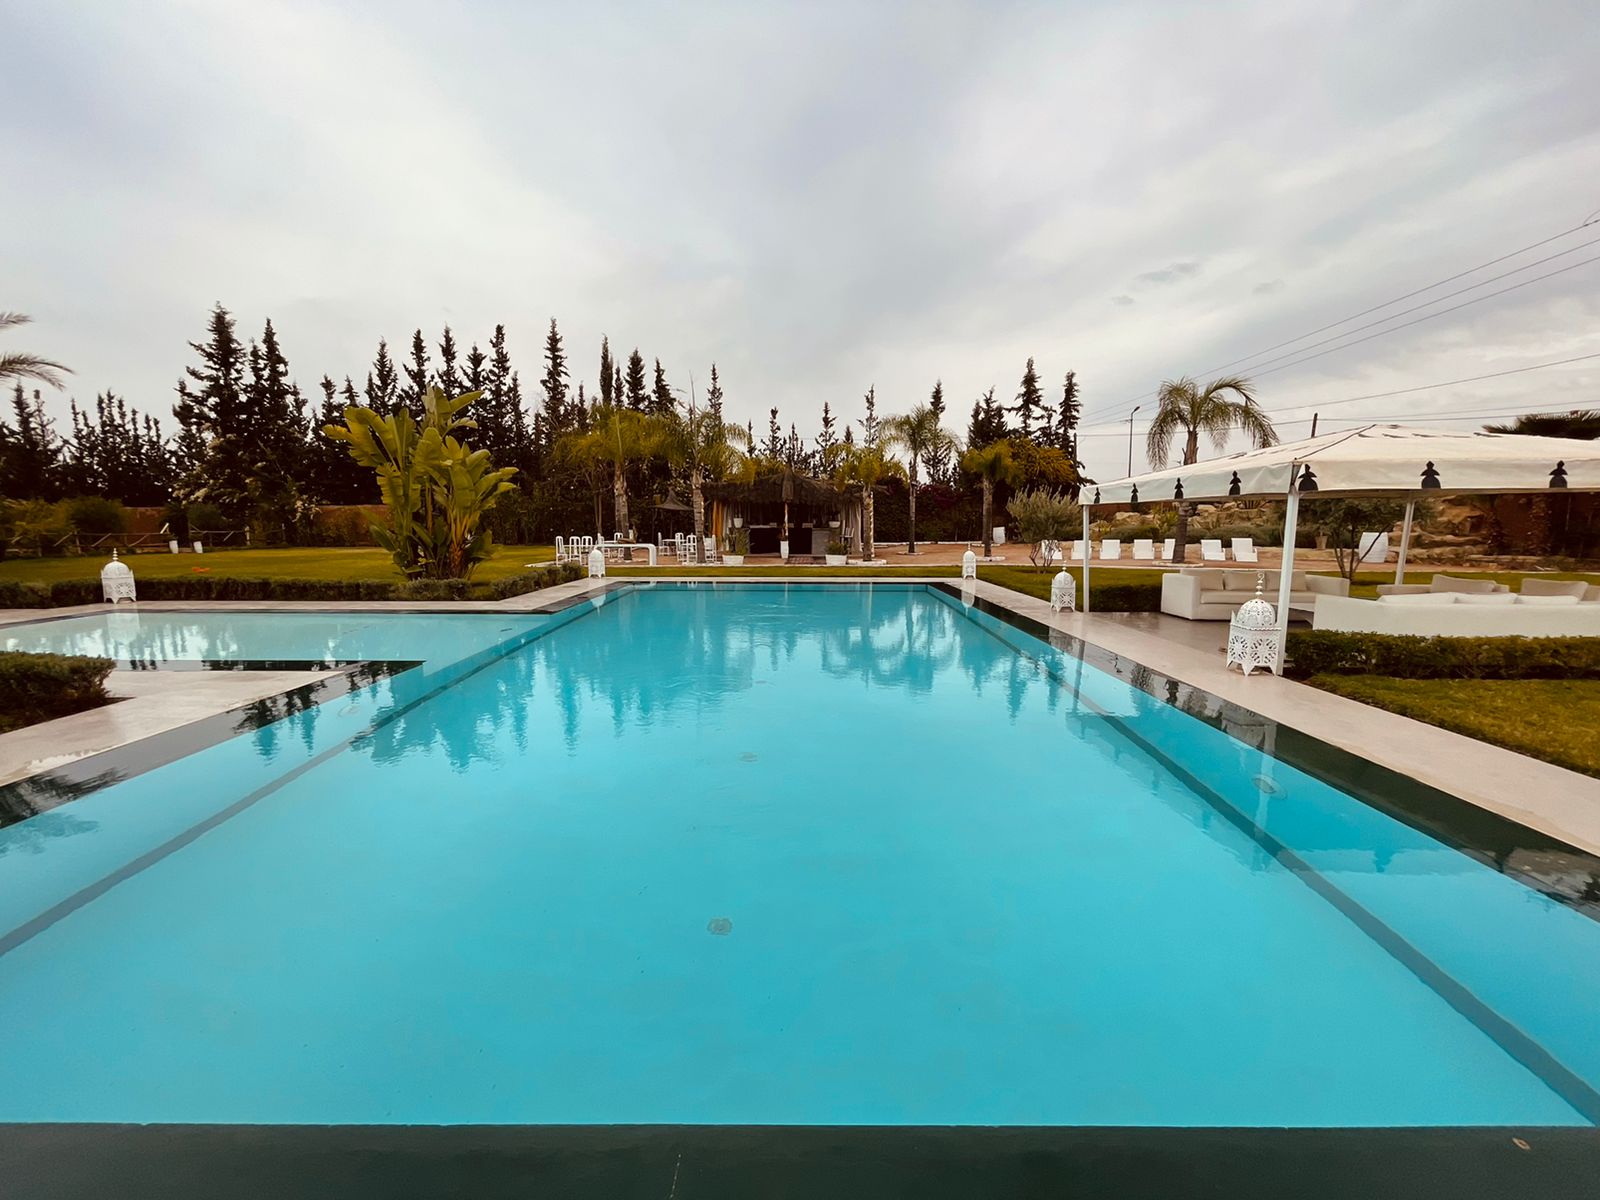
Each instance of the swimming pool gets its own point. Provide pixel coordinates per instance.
(839, 855)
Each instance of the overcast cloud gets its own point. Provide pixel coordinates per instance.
(820, 197)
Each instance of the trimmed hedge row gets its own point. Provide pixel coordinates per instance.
(1122, 597)
(17, 594)
(1327, 652)
(39, 687)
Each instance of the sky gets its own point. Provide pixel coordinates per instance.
(820, 197)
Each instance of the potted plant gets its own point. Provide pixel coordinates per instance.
(835, 555)
(738, 545)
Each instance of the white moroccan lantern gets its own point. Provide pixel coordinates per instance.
(116, 580)
(597, 565)
(1253, 633)
(1063, 592)
(969, 565)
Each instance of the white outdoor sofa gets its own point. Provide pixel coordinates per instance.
(1450, 606)
(1215, 593)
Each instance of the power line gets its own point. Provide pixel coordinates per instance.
(1589, 220)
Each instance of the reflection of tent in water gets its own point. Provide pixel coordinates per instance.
(785, 506)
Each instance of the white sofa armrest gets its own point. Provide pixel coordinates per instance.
(1328, 585)
(1403, 589)
(1180, 595)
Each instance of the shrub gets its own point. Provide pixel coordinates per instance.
(543, 577)
(431, 589)
(207, 518)
(96, 515)
(38, 687)
(1325, 651)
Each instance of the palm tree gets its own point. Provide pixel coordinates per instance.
(617, 437)
(1184, 406)
(1579, 423)
(712, 449)
(992, 464)
(28, 366)
(919, 434)
(866, 467)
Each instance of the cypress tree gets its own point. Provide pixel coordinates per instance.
(417, 380)
(383, 385)
(637, 392)
(476, 377)
(498, 425)
(774, 444)
(555, 389)
(661, 402)
(618, 392)
(714, 397)
(988, 423)
(30, 465)
(936, 463)
(448, 376)
(274, 435)
(607, 373)
(826, 440)
(1030, 406)
(869, 424)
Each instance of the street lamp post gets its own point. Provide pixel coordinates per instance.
(1130, 439)
(694, 473)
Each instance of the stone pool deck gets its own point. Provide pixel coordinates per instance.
(1563, 804)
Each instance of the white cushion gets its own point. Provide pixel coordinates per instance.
(1593, 593)
(1553, 587)
(1426, 599)
(1548, 601)
(1458, 585)
(1500, 598)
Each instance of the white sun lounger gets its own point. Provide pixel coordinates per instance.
(1167, 547)
(1244, 550)
(1373, 548)
(1211, 550)
(1110, 549)
(1144, 548)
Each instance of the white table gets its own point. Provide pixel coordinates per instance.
(647, 547)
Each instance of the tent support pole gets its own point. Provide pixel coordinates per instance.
(1405, 542)
(1291, 525)
(1086, 556)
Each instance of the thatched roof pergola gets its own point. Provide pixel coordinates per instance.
(785, 486)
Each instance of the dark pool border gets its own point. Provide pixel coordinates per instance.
(1484, 836)
(46, 790)
(697, 1162)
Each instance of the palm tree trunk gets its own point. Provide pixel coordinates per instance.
(911, 536)
(870, 551)
(699, 502)
(619, 487)
(1180, 534)
(988, 529)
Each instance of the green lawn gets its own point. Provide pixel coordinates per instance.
(323, 562)
(1551, 719)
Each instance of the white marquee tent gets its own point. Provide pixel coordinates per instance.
(1374, 460)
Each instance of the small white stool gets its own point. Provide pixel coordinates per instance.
(969, 565)
(597, 565)
(1063, 593)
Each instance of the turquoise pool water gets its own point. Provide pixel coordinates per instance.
(809, 855)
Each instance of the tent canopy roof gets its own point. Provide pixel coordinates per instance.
(1375, 460)
(785, 485)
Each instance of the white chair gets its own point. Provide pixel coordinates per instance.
(1244, 550)
(1074, 552)
(1144, 549)
(688, 549)
(1211, 550)
(1373, 548)
(1167, 548)
(561, 549)
(711, 549)
(1110, 549)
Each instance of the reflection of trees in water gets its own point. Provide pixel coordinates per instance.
(31, 800)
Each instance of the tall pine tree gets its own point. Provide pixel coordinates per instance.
(383, 384)
(1067, 419)
(607, 373)
(215, 412)
(869, 424)
(826, 440)
(449, 378)
(30, 452)
(1030, 406)
(773, 448)
(936, 463)
(661, 402)
(988, 423)
(637, 389)
(556, 415)
(417, 377)
(714, 398)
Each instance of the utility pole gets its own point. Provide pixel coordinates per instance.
(1130, 439)
(1313, 424)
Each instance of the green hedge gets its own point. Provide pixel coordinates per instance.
(38, 687)
(1326, 652)
(17, 594)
